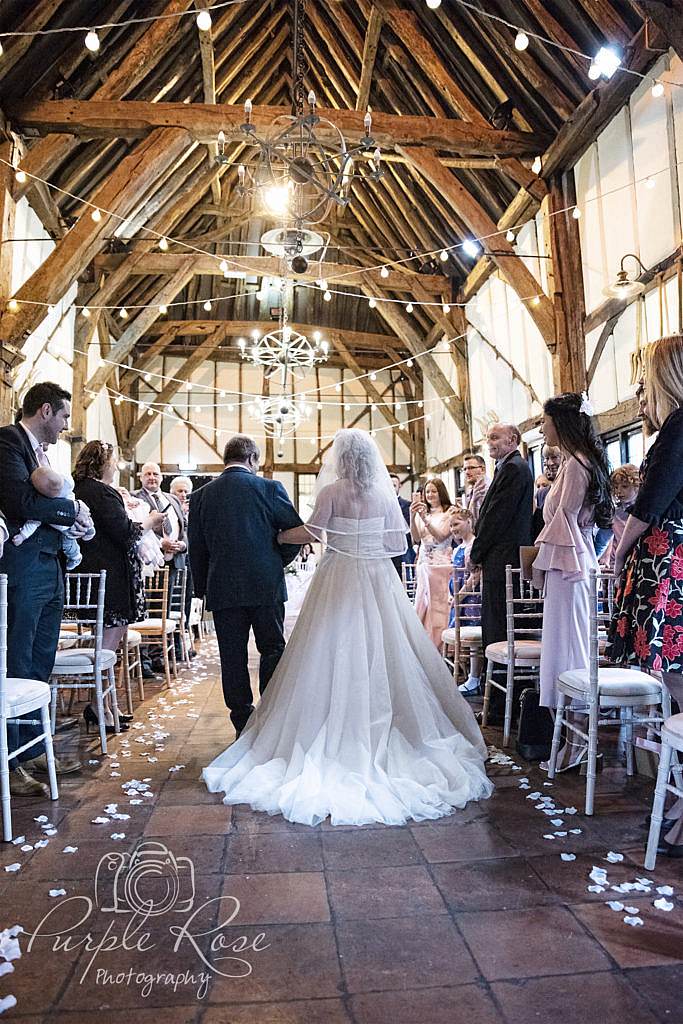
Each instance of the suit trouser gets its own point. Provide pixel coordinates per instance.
(34, 614)
(232, 632)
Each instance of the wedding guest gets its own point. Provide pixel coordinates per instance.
(409, 556)
(35, 580)
(429, 525)
(113, 548)
(468, 580)
(503, 527)
(552, 458)
(578, 499)
(235, 521)
(306, 557)
(625, 482)
(181, 488)
(647, 627)
(476, 484)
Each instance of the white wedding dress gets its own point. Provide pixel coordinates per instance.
(361, 721)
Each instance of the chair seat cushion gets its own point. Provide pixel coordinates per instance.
(25, 693)
(613, 682)
(82, 659)
(468, 635)
(674, 728)
(153, 626)
(134, 637)
(525, 651)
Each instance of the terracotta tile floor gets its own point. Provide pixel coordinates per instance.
(474, 919)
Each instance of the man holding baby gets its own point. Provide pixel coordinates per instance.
(33, 556)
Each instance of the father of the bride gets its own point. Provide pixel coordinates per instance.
(239, 566)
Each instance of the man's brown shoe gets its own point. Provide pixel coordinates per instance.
(62, 767)
(23, 784)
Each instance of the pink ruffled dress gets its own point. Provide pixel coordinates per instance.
(562, 567)
(433, 573)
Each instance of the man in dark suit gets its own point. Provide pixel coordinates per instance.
(503, 527)
(409, 554)
(239, 566)
(35, 579)
(172, 536)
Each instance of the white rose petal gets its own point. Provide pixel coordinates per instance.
(100, 820)
(596, 888)
(13, 867)
(41, 843)
(665, 890)
(633, 921)
(614, 858)
(568, 856)
(41, 818)
(26, 848)
(7, 1003)
(663, 904)
(615, 905)
(70, 849)
(57, 892)
(557, 822)
(118, 835)
(19, 840)
(631, 910)
(570, 810)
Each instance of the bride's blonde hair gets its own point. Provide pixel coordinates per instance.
(664, 378)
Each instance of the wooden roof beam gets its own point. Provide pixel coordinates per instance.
(235, 328)
(136, 118)
(370, 47)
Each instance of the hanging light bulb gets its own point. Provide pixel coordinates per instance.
(123, 313)
(605, 63)
(409, 362)
(398, 407)
(537, 165)
(327, 296)
(204, 21)
(163, 244)
(188, 386)
(221, 394)
(20, 176)
(576, 213)
(319, 406)
(650, 183)
(521, 40)
(420, 405)
(372, 303)
(207, 306)
(433, 4)
(471, 247)
(446, 308)
(373, 376)
(384, 272)
(409, 307)
(223, 266)
(322, 284)
(337, 388)
(118, 400)
(13, 305)
(657, 89)
(96, 215)
(163, 310)
(92, 41)
(347, 407)
(536, 301)
(86, 312)
(444, 255)
(510, 235)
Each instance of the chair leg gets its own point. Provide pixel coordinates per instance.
(124, 675)
(487, 693)
(174, 664)
(628, 716)
(53, 708)
(49, 753)
(4, 784)
(658, 806)
(114, 699)
(138, 673)
(591, 768)
(100, 713)
(557, 730)
(167, 666)
(509, 693)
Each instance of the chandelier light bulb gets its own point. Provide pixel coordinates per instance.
(409, 307)
(536, 300)
(221, 394)
(537, 165)
(317, 335)
(221, 139)
(204, 21)
(163, 244)
(92, 42)
(433, 4)
(163, 310)
(420, 405)
(319, 406)
(241, 343)
(256, 335)
(311, 99)
(20, 176)
(96, 215)
(207, 306)
(325, 346)
(327, 296)
(276, 198)
(367, 122)
(50, 309)
(384, 272)
(521, 41)
(248, 107)
(510, 236)
(657, 89)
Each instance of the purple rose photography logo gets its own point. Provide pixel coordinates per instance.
(145, 901)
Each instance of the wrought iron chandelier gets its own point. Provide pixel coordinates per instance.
(304, 165)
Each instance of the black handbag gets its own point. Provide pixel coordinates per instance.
(535, 728)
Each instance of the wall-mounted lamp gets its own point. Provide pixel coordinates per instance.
(625, 287)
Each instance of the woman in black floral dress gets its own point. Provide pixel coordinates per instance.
(647, 628)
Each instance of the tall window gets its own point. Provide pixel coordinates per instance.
(305, 497)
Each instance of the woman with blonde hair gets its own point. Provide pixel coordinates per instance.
(647, 627)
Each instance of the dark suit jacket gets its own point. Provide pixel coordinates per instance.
(19, 502)
(234, 554)
(504, 523)
(178, 559)
(109, 547)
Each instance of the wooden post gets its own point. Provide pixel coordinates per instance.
(79, 367)
(569, 354)
(7, 217)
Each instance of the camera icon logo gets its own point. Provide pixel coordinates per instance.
(151, 881)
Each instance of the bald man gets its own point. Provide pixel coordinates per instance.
(504, 525)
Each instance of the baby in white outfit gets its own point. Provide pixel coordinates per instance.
(51, 484)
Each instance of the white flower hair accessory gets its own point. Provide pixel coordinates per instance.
(586, 404)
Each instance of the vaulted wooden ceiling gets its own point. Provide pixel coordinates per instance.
(460, 114)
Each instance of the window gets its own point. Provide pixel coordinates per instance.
(305, 494)
(613, 448)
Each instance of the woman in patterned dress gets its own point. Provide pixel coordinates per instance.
(647, 627)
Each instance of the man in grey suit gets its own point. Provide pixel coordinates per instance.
(238, 566)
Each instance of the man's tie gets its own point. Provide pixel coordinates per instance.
(41, 455)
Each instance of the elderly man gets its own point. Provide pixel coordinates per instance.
(180, 488)
(35, 569)
(476, 484)
(172, 534)
(504, 526)
(552, 460)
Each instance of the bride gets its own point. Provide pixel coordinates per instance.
(361, 721)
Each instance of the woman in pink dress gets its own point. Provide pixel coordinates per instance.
(430, 527)
(578, 499)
